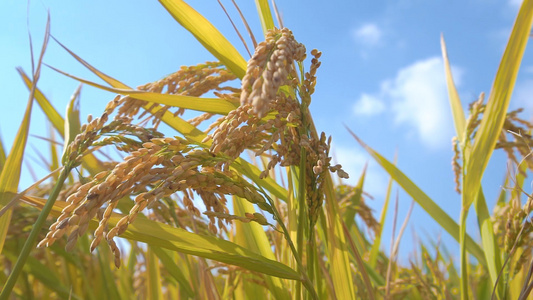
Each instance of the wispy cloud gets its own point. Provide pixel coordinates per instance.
(368, 34)
(515, 3)
(368, 105)
(417, 97)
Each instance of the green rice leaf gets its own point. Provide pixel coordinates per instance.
(212, 40)
(489, 241)
(45, 276)
(265, 15)
(439, 215)
(179, 240)
(72, 122)
(174, 270)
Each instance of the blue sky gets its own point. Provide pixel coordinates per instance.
(381, 75)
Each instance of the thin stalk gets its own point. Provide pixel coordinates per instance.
(464, 264)
(301, 212)
(305, 279)
(32, 238)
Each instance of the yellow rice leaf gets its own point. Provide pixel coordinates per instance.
(265, 15)
(179, 240)
(455, 101)
(212, 40)
(50, 112)
(153, 275)
(90, 162)
(497, 103)
(10, 175)
(252, 236)
(210, 105)
(337, 248)
(377, 241)
(439, 215)
(2, 155)
(490, 246)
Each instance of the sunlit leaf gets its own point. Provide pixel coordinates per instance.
(497, 103)
(177, 239)
(439, 215)
(210, 105)
(265, 15)
(207, 35)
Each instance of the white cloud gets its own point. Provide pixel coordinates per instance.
(353, 160)
(418, 98)
(368, 105)
(368, 34)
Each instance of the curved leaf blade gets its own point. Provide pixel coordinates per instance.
(210, 105)
(497, 103)
(207, 35)
(179, 240)
(439, 215)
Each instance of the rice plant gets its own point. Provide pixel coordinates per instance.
(278, 223)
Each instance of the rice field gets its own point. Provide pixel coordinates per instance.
(278, 222)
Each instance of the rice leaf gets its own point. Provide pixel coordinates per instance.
(46, 276)
(110, 80)
(174, 270)
(2, 155)
(212, 40)
(72, 122)
(10, 176)
(455, 101)
(490, 246)
(265, 15)
(439, 215)
(374, 252)
(210, 105)
(489, 241)
(252, 236)
(50, 112)
(497, 103)
(154, 276)
(349, 214)
(337, 248)
(109, 288)
(176, 239)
